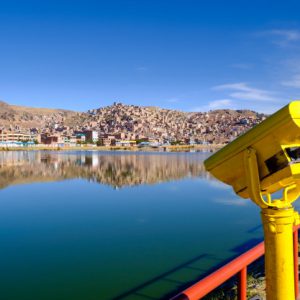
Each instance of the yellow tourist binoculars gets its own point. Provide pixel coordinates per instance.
(261, 162)
(266, 157)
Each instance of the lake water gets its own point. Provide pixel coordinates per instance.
(114, 225)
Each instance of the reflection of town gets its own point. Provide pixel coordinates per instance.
(116, 170)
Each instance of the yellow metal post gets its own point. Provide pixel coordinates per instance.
(278, 218)
(279, 259)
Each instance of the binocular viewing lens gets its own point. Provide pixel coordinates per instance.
(280, 159)
(293, 153)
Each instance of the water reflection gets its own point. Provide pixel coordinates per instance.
(116, 170)
(76, 240)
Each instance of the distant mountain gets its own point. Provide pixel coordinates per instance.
(135, 121)
(30, 117)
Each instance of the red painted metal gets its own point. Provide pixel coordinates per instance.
(209, 283)
(236, 266)
(296, 271)
(242, 284)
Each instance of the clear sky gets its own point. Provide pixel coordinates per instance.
(187, 55)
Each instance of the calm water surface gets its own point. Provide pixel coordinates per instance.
(108, 226)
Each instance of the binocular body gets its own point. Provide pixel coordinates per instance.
(276, 142)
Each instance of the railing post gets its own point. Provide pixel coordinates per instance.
(210, 282)
(296, 271)
(242, 284)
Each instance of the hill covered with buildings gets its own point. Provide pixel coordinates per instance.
(120, 123)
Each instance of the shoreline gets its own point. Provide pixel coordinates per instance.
(171, 148)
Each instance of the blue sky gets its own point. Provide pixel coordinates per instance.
(187, 55)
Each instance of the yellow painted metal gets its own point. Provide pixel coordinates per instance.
(270, 138)
(279, 259)
(265, 160)
(278, 217)
(261, 198)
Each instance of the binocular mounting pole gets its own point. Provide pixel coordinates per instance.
(278, 218)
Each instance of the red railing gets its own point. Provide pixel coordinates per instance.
(238, 266)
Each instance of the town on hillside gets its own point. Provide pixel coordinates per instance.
(121, 125)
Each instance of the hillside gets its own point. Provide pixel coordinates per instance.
(135, 122)
(216, 126)
(12, 116)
